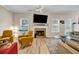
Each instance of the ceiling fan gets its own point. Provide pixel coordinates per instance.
(38, 8)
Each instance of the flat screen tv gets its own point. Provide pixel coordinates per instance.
(40, 18)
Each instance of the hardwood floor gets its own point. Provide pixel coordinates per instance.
(40, 46)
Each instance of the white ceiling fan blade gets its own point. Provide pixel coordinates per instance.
(38, 9)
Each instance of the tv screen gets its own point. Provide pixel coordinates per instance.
(40, 18)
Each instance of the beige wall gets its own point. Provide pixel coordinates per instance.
(8, 19)
(29, 16)
(18, 16)
(5, 19)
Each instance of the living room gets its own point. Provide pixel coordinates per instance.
(56, 21)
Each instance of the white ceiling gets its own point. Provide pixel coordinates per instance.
(46, 8)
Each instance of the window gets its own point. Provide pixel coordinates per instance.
(55, 25)
(68, 25)
(24, 25)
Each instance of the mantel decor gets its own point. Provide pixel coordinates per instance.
(62, 21)
(40, 24)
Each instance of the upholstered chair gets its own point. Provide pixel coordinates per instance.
(25, 40)
(7, 34)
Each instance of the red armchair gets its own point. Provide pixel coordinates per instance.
(13, 49)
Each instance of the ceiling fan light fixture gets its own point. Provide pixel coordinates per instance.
(40, 8)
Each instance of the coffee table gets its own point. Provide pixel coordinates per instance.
(3, 42)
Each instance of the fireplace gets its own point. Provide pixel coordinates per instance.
(40, 33)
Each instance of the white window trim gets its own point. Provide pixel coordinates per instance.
(27, 22)
(58, 23)
(68, 30)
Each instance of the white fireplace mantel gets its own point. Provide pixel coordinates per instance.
(38, 27)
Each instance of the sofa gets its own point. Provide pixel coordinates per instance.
(68, 47)
(13, 49)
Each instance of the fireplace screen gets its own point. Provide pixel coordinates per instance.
(40, 32)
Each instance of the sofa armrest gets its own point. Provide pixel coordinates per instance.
(2, 50)
(13, 49)
(73, 44)
(63, 48)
